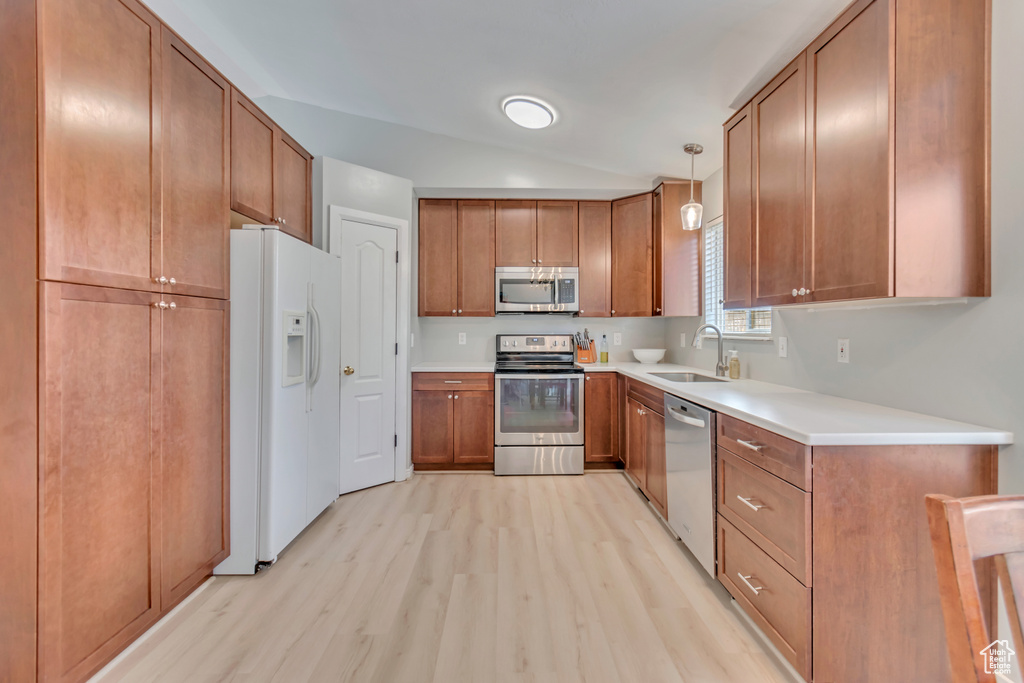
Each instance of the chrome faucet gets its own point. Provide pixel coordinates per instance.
(721, 367)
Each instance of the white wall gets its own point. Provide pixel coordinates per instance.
(340, 183)
(959, 361)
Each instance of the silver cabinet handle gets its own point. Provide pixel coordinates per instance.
(173, 281)
(159, 304)
(449, 395)
(456, 397)
(540, 261)
(757, 589)
(802, 291)
(588, 379)
(460, 311)
(453, 381)
(657, 310)
(161, 280)
(746, 501)
(796, 293)
(453, 311)
(613, 312)
(750, 444)
(172, 305)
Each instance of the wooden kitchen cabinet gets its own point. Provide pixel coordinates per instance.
(99, 544)
(99, 164)
(196, 144)
(601, 417)
(739, 209)
(678, 254)
(845, 201)
(270, 172)
(476, 258)
(515, 232)
(557, 233)
(779, 115)
(438, 254)
(595, 259)
(193, 410)
(655, 462)
(636, 437)
(632, 256)
(452, 419)
(645, 442)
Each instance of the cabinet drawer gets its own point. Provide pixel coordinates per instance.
(781, 456)
(647, 395)
(443, 381)
(779, 604)
(773, 513)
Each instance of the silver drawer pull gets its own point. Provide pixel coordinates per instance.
(453, 381)
(750, 444)
(757, 589)
(746, 501)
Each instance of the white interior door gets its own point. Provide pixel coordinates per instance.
(368, 343)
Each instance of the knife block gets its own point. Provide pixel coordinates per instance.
(586, 355)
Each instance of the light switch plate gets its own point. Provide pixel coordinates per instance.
(616, 339)
(783, 347)
(844, 351)
(462, 338)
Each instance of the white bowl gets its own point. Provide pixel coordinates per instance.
(649, 356)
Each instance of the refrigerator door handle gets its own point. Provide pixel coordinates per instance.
(318, 337)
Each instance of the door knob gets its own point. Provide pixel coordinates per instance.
(349, 370)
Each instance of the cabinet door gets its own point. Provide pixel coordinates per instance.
(678, 253)
(595, 249)
(632, 256)
(848, 180)
(779, 115)
(636, 437)
(515, 233)
(196, 188)
(433, 419)
(476, 258)
(292, 176)
(557, 233)
(99, 158)
(438, 240)
(622, 406)
(739, 209)
(252, 160)
(193, 443)
(474, 426)
(601, 418)
(654, 464)
(99, 554)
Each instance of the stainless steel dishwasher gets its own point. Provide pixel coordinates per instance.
(690, 465)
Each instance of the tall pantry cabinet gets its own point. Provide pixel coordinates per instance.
(113, 432)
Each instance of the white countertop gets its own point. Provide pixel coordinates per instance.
(808, 417)
(454, 366)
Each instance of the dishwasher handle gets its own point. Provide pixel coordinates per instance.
(686, 419)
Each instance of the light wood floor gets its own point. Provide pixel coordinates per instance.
(452, 577)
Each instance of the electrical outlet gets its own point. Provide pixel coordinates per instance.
(844, 351)
(412, 339)
(616, 339)
(682, 340)
(462, 338)
(783, 347)
(699, 341)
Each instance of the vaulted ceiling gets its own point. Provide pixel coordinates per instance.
(631, 80)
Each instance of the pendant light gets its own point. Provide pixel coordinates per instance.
(693, 212)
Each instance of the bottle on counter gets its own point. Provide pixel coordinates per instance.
(604, 348)
(734, 365)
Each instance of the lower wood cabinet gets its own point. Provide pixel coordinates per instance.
(601, 417)
(452, 418)
(833, 562)
(134, 470)
(645, 442)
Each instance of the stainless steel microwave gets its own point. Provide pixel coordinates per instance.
(536, 290)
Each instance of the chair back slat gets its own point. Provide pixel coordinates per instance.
(994, 524)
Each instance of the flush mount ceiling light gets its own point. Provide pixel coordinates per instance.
(528, 112)
(693, 212)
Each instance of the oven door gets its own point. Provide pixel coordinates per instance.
(538, 409)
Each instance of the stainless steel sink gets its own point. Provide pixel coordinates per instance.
(686, 377)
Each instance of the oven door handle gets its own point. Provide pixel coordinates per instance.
(550, 375)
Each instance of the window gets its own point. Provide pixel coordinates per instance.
(754, 321)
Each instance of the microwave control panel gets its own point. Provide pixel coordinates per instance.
(567, 291)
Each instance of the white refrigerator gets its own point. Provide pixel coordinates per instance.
(285, 391)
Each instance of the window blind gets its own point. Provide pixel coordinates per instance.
(736, 321)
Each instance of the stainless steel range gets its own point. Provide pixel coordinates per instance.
(538, 406)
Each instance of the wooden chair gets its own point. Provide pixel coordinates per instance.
(964, 530)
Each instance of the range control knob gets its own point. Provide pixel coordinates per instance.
(505, 343)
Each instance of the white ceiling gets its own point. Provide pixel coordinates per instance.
(631, 80)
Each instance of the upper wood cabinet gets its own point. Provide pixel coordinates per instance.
(99, 158)
(779, 117)
(739, 209)
(476, 258)
(678, 254)
(853, 197)
(195, 127)
(595, 258)
(529, 233)
(515, 232)
(632, 256)
(438, 254)
(270, 172)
